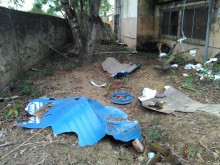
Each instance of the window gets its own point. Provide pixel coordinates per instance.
(170, 23)
(194, 23)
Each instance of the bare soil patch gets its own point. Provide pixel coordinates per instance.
(194, 138)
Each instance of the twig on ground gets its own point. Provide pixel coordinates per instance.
(5, 144)
(21, 144)
(8, 98)
(43, 159)
(204, 146)
(180, 158)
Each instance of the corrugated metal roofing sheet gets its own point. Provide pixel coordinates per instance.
(116, 123)
(70, 115)
(89, 119)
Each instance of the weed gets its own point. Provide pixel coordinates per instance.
(35, 91)
(31, 74)
(216, 67)
(153, 133)
(216, 83)
(108, 85)
(68, 67)
(139, 117)
(125, 80)
(26, 89)
(188, 83)
(12, 110)
(48, 71)
(189, 150)
(181, 60)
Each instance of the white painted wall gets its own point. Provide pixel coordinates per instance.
(127, 10)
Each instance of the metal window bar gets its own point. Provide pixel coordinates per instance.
(194, 12)
(196, 31)
(169, 23)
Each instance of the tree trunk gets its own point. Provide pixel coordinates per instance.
(73, 21)
(81, 6)
(89, 44)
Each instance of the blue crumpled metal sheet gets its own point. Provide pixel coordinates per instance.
(71, 115)
(116, 123)
(89, 119)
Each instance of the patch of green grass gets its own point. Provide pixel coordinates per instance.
(12, 111)
(153, 133)
(26, 89)
(108, 85)
(68, 67)
(181, 60)
(48, 71)
(138, 117)
(216, 67)
(189, 84)
(29, 90)
(35, 91)
(190, 150)
(125, 80)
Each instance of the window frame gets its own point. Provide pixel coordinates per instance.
(179, 28)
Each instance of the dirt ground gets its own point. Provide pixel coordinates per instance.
(193, 138)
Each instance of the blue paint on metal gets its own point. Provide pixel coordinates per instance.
(89, 119)
(116, 123)
(71, 115)
(127, 98)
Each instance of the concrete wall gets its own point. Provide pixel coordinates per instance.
(20, 33)
(146, 26)
(128, 22)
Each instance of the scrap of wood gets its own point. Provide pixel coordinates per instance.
(200, 157)
(5, 144)
(119, 52)
(138, 146)
(8, 98)
(204, 146)
(43, 159)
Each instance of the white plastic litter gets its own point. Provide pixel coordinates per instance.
(191, 66)
(97, 85)
(147, 93)
(150, 155)
(162, 55)
(211, 60)
(192, 53)
(174, 66)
